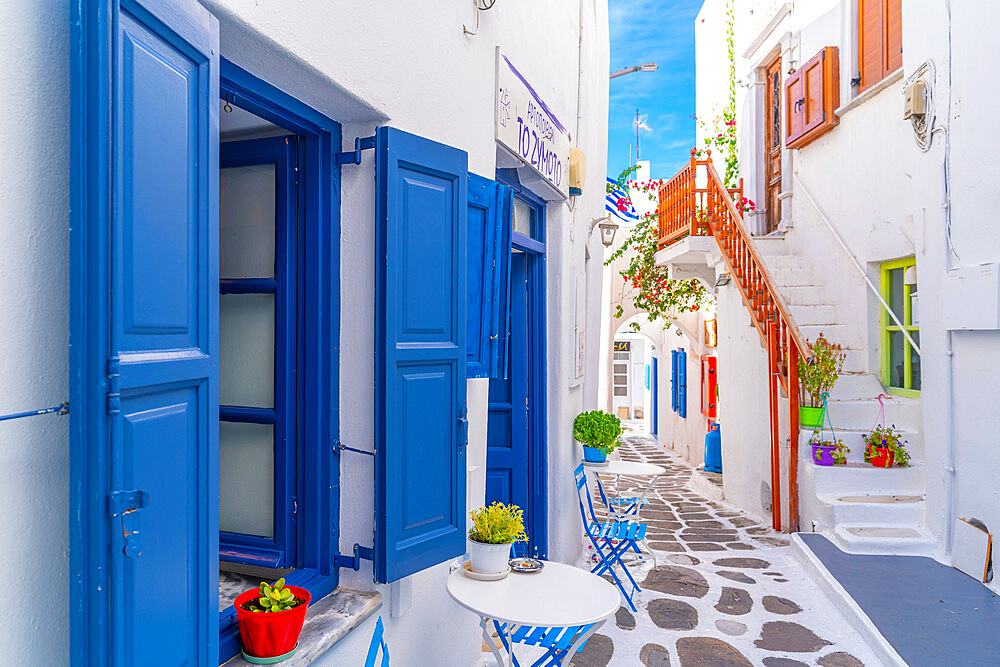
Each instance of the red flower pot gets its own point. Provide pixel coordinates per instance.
(270, 634)
(882, 457)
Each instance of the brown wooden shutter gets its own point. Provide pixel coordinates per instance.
(893, 36)
(871, 46)
(812, 95)
(793, 118)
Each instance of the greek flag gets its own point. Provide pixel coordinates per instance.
(611, 204)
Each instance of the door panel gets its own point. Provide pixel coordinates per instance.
(507, 425)
(163, 331)
(772, 139)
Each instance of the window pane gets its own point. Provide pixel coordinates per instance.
(915, 360)
(897, 371)
(246, 323)
(621, 391)
(246, 216)
(246, 478)
(523, 217)
(621, 379)
(895, 295)
(621, 368)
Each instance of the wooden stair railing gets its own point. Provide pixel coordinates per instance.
(711, 210)
(683, 204)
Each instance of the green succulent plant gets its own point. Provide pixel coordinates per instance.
(275, 598)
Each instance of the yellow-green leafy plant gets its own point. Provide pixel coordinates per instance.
(497, 524)
(820, 370)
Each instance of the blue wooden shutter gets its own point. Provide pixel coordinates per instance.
(146, 362)
(682, 392)
(674, 388)
(489, 228)
(421, 427)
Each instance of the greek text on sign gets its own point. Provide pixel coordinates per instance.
(528, 128)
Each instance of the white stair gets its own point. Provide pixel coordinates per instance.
(861, 508)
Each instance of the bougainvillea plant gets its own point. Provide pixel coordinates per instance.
(649, 285)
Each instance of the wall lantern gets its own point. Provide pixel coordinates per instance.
(723, 279)
(608, 229)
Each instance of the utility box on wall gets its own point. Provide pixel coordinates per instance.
(972, 298)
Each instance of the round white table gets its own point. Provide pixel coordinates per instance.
(628, 468)
(560, 596)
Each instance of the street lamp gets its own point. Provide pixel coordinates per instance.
(645, 67)
(608, 229)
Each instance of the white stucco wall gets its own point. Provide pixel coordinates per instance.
(363, 64)
(34, 327)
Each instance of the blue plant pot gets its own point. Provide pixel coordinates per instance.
(593, 455)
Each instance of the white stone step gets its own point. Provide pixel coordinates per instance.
(803, 295)
(793, 277)
(814, 314)
(858, 478)
(854, 413)
(851, 386)
(835, 333)
(770, 246)
(884, 509)
(784, 262)
(896, 539)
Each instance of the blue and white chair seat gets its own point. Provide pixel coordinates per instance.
(559, 643)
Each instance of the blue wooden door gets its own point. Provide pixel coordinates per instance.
(145, 464)
(507, 425)
(421, 422)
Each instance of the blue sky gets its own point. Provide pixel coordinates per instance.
(662, 32)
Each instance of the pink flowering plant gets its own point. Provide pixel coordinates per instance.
(646, 283)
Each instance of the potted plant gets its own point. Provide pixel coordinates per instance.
(817, 375)
(598, 432)
(828, 452)
(494, 529)
(885, 447)
(270, 619)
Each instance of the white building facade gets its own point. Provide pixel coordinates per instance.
(112, 243)
(857, 204)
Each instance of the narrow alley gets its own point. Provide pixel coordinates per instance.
(725, 589)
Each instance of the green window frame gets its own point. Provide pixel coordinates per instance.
(900, 362)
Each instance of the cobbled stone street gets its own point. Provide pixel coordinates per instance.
(725, 589)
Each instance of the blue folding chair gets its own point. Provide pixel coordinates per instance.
(611, 539)
(626, 505)
(559, 643)
(378, 641)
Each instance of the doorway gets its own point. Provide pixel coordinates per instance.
(516, 469)
(772, 145)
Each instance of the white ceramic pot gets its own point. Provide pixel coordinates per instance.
(488, 558)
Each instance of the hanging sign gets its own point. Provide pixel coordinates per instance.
(526, 127)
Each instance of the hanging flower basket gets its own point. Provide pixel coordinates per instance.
(882, 457)
(823, 454)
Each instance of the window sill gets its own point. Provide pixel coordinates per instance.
(870, 93)
(327, 622)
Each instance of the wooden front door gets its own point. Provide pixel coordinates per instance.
(772, 144)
